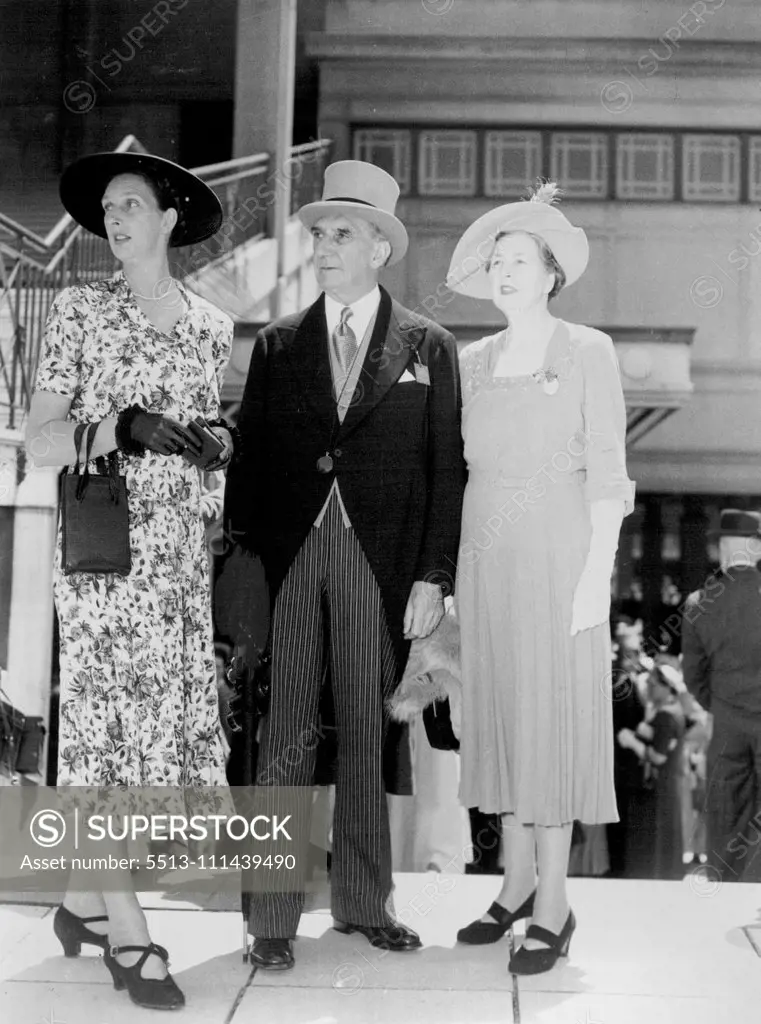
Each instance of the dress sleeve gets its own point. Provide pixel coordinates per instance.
(604, 423)
(223, 343)
(216, 345)
(60, 359)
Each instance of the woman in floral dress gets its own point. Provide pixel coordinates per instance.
(143, 357)
(543, 423)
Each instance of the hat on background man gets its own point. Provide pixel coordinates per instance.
(468, 274)
(734, 522)
(359, 189)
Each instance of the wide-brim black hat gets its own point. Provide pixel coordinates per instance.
(735, 522)
(84, 182)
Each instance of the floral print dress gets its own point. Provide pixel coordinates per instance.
(138, 703)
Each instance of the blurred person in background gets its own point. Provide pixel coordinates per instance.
(655, 843)
(693, 781)
(629, 694)
(721, 648)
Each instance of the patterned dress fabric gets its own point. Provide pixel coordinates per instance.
(537, 737)
(138, 702)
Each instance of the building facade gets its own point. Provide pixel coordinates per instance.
(647, 116)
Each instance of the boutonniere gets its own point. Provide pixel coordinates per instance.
(548, 379)
(413, 339)
(397, 346)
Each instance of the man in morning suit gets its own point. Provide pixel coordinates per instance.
(348, 487)
(721, 652)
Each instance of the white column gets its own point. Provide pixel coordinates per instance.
(11, 443)
(30, 642)
(264, 89)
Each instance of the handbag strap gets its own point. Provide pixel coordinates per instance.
(106, 467)
(78, 433)
(84, 476)
(92, 430)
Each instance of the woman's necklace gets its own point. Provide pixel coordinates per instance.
(156, 298)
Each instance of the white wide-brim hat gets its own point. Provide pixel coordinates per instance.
(467, 271)
(358, 189)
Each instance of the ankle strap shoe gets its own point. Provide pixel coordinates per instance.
(537, 961)
(481, 933)
(155, 993)
(72, 931)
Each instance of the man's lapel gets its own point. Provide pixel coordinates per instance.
(308, 355)
(394, 341)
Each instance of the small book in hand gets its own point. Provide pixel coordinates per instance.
(208, 442)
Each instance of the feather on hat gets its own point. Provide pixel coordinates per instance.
(467, 271)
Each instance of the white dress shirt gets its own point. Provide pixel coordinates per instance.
(361, 312)
(364, 311)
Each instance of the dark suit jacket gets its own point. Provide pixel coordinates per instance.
(398, 454)
(721, 646)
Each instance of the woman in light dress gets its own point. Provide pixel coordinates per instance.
(544, 429)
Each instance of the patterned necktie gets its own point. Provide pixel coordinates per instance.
(344, 342)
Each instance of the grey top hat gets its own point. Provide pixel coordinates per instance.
(359, 189)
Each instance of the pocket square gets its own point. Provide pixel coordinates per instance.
(405, 377)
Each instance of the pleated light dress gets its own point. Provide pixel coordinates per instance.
(537, 731)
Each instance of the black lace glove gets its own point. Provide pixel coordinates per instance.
(138, 431)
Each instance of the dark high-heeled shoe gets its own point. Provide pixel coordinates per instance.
(481, 933)
(72, 931)
(537, 961)
(155, 993)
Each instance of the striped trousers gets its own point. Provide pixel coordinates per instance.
(330, 605)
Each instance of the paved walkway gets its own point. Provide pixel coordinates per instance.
(644, 952)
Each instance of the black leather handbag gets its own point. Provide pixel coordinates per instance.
(437, 720)
(94, 514)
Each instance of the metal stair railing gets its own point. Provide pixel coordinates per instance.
(33, 269)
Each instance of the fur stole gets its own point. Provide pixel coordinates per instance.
(432, 673)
